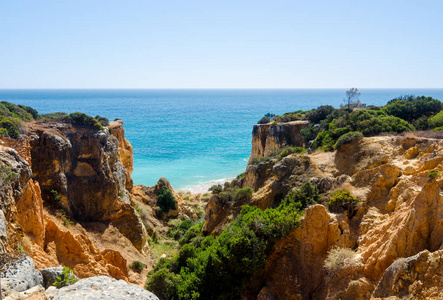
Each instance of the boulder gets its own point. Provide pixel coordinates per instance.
(21, 275)
(100, 287)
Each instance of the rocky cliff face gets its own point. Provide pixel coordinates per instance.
(83, 168)
(267, 138)
(396, 233)
(82, 171)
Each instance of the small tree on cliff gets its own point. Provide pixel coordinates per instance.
(166, 201)
(351, 97)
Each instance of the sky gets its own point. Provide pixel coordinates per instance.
(221, 44)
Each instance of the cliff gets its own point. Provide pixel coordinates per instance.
(267, 138)
(64, 199)
(397, 232)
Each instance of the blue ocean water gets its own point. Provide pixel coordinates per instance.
(192, 137)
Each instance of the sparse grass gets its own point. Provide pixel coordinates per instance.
(433, 174)
(339, 259)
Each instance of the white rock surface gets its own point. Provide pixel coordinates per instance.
(100, 288)
(21, 275)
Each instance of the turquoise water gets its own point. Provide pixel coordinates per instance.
(192, 137)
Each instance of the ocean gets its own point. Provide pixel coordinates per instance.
(194, 138)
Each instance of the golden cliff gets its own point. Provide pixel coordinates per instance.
(65, 199)
(397, 232)
(267, 138)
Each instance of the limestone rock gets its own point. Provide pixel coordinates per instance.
(21, 275)
(101, 287)
(124, 150)
(420, 276)
(83, 166)
(268, 138)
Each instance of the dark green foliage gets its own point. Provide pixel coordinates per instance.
(343, 200)
(279, 154)
(411, 108)
(166, 201)
(264, 120)
(243, 193)
(176, 232)
(241, 176)
(216, 189)
(77, 118)
(102, 120)
(83, 119)
(12, 115)
(319, 114)
(137, 266)
(306, 195)
(227, 196)
(347, 138)
(220, 267)
(55, 197)
(193, 235)
(290, 116)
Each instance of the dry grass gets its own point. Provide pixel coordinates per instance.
(340, 259)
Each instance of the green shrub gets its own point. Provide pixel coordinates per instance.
(306, 195)
(67, 278)
(10, 127)
(319, 114)
(264, 120)
(411, 108)
(274, 123)
(166, 201)
(290, 150)
(228, 195)
(243, 193)
(432, 174)
(216, 189)
(241, 176)
(102, 120)
(55, 197)
(437, 120)
(343, 200)
(220, 267)
(137, 266)
(347, 138)
(290, 116)
(176, 232)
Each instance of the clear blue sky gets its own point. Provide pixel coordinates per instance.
(221, 44)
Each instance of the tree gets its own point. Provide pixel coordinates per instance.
(351, 97)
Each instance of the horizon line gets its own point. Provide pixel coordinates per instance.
(226, 88)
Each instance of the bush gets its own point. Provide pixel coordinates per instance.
(343, 200)
(137, 266)
(220, 267)
(216, 189)
(339, 259)
(228, 195)
(319, 114)
(102, 120)
(306, 195)
(67, 278)
(166, 201)
(55, 197)
(432, 174)
(243, 193)
(411, 108)
(264, 120)
(347, 138)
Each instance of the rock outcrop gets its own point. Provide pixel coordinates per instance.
(267, 138)
(100, 287)
(82, 167)
(124, 150)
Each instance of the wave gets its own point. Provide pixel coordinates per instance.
(202, 188)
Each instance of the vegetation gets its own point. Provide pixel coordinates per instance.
(243, 193)
(137, 266)
(433, 174)
(219, 267)
(347, 138)
(6, 175)
(12, 116)
(343, 200)
(216, 189)
(339, 259)
(78, 118)
(351, 97)
(279, 154)
(166, 201)
(66, 278)
(266, 118)
(55, 197)
(306, 195)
